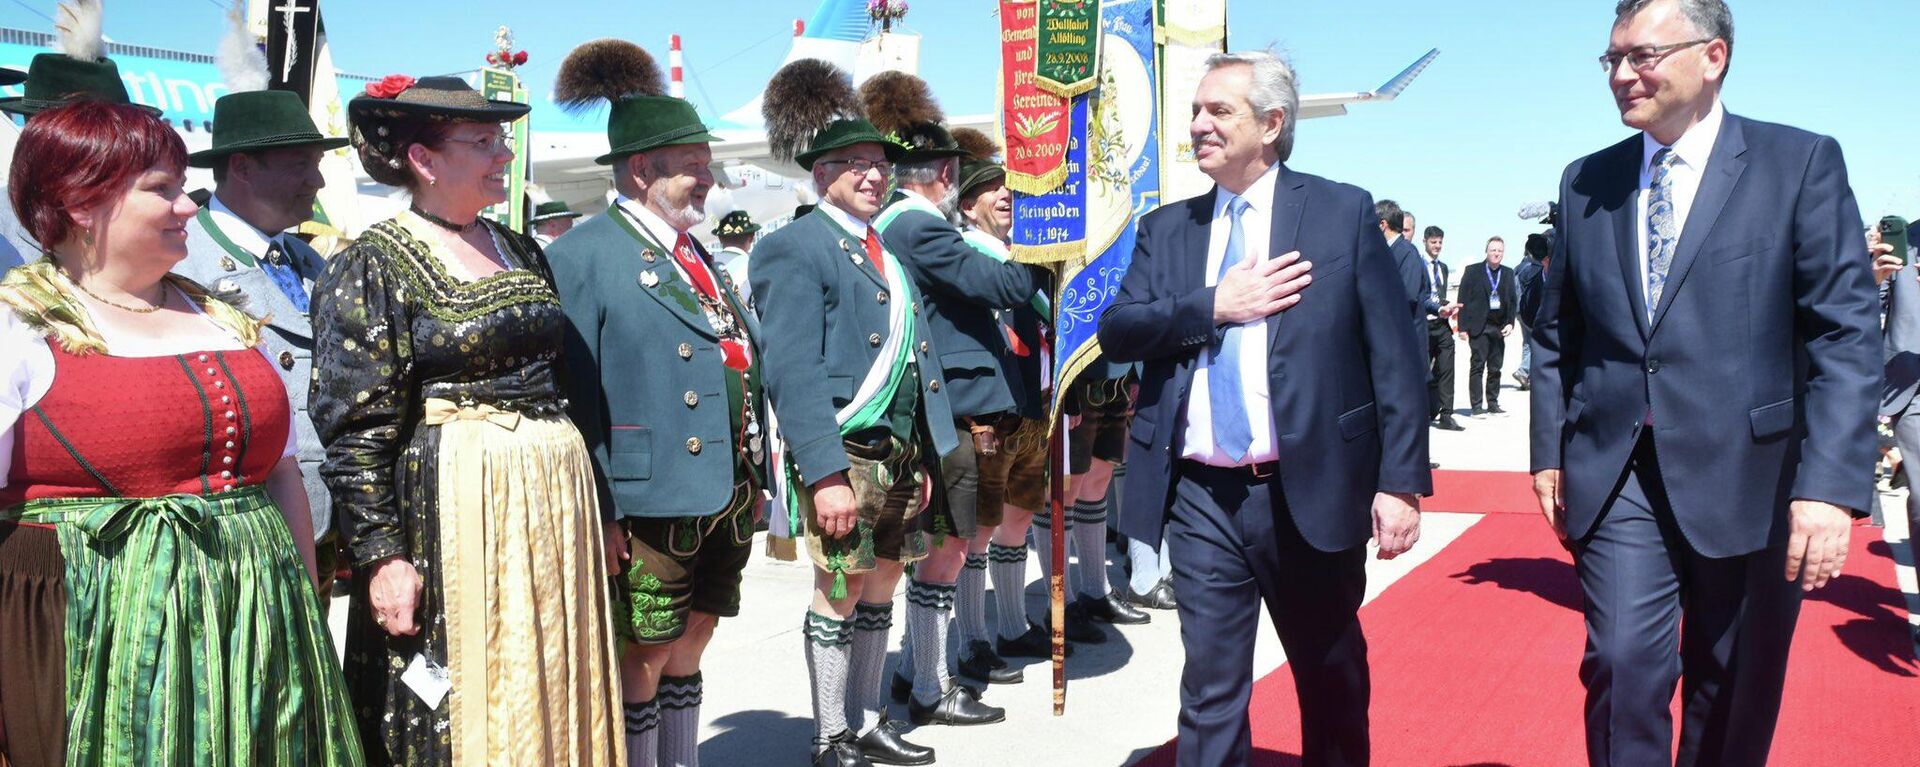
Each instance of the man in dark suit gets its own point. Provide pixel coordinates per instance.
(1269, 445)
(1439, 330)
(1704, 372)
(1406, 260)
(1489, 297)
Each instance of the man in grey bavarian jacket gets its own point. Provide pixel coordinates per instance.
(265, 158)
(856, 386)
(663, 381)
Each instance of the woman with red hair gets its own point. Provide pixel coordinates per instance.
(156, 566)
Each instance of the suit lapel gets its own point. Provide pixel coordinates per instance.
(660, 281)
(1289, 205)
(1626, 228)
(1717, 181)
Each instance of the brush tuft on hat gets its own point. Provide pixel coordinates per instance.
(606, 70)
(804, 97)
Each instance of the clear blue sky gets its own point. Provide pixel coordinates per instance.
(1514, 96)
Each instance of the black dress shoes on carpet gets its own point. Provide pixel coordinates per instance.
(883, 745)
(959, 707)
(842, 753)
(1113, 609)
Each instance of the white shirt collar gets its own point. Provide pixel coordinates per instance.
(242, 234)
(854, 226)
(663, 235)
(1694, 146)
(1259, 197)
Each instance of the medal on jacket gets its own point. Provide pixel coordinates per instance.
(649, 279)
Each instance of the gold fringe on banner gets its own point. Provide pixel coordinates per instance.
(1027, 183)
(1051, 253)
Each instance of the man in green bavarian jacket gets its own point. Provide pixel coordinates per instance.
(960, 289)
(265, 158)
(663, 378)
(857, 389)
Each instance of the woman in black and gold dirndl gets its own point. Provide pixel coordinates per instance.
(478, 631)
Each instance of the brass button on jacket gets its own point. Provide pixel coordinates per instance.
(693, 445)
(873, 340)
(686, 351)
(691, 399)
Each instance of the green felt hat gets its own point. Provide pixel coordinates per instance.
(843, 133)
(735, 223)
(927, 142)
(253, 121)
(52, 78)
(548, 211)
(636, 124)
(976, 173)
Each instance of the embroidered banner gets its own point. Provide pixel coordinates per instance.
(1188, 32)
(1034, 122)
(1123, 182)
(1052, 227)
(503, 85)
(1069, 46)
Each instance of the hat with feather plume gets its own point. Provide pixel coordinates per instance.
(640, 114)
(250, 118)
(80, 70)
(901, 105)
(811, 109)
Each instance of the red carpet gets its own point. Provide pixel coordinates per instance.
(1475, 656)
(1484, 492)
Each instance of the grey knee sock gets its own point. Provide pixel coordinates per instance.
(929, 605)
(1090, 547)
(679, 700)
(970, 600)
(828, 644)
(643, 733)
(868, 693)
(1009, 567)
(1042, 532)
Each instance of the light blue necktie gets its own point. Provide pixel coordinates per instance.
(280, 269)
(1232, 431)
(1662, 230)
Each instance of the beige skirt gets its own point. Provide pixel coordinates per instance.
(526, 593)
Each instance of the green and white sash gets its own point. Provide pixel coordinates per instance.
(992, 246)
(877, 388)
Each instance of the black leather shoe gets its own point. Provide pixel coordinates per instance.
(959, 707)
(841, 753)
(980, 662)
(1448, 424)
(1035, 643)
(1080, 628)
(1160, 597)
(1113, 609)
(1479, 411)
(902, 688)
(1495, 409)
(883, 745)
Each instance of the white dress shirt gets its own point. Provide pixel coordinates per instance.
(1256, 225)
(663, 235)
(1689, 165)
(242, 234)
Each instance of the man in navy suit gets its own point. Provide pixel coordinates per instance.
(1279, 424)
(1704, 375)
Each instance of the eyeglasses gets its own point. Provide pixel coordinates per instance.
(492, 143)
(1644, 57)
(862, 167)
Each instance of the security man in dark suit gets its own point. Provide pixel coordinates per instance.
(1406, 260)
(1489, 299)
(1440, 331)
(1268, 444)
(1704, 376)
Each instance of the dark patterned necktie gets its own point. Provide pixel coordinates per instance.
(280, 269)
(1663, 230)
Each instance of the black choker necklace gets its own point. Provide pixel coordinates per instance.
(443, 223)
